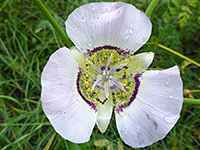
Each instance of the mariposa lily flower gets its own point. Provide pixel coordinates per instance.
(81, 87)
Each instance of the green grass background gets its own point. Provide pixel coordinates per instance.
(26, 42)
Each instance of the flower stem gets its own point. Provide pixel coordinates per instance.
(191, 101)
(25, 124)
(174, 52)
(53, 22)
(151, 7)
(180, 55)
(194, 91)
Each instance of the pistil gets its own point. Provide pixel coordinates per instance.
(106, 77)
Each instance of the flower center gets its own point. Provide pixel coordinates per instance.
(104, 76)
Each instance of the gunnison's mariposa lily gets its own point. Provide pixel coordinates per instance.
(100, 74)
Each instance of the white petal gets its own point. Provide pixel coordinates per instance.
(140, 62)
(69, 114)
(108, 23)
(155, 110)
(104, 115)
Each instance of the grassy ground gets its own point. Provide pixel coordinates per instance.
(27, 40)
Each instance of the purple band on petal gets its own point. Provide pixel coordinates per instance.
(92, 105)
(108, 47)
(137, 85)
(101, 101)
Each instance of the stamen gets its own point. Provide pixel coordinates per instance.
(95, 84)
(107, 63)
(119, 85)
(116, 68)
(95, 68)
(106, 88)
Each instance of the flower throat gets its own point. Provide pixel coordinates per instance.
(105, 75)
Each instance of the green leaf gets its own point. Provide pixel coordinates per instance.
(73, 146)
(47, 147)
(176, 2)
